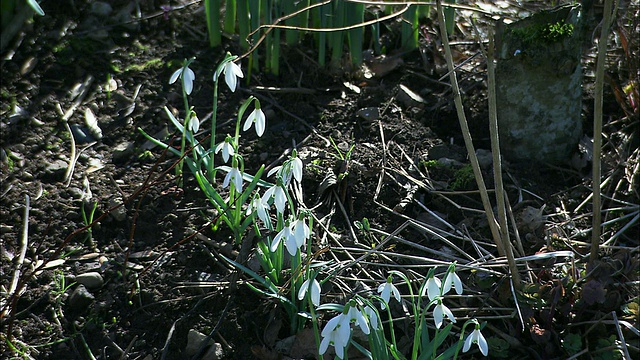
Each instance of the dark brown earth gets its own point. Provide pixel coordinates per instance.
(162, 233)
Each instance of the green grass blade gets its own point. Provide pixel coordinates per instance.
(212, 12)
(355, 15)
(244, 22)
(336, 38)
(410, 28)
(449, 16)
(323, 22)
(291, 36)
(36, 7)
(230, 17)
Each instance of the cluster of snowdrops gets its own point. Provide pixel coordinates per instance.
(248, 203)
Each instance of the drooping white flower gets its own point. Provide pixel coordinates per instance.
(279, 195)
(232, 72)
(313, 287)
(291, 243)
(301, 231)
(476, 337)
(262, 207)
(285, 233)
(194, 124)
(386, 290)
(452, 279)
(336, 332)
(257, 117)
(358, 319)
(439, 312)
(296, 168)
(332, 338)
(187, 75)
(274, 170)
(291, 168)
(433, 287)
(372, 315)
(233, 176)
(227, 149)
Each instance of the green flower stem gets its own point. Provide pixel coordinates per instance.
(316, 328)
(461, 339)
(295, 284)
(183, 139)
(214, 121)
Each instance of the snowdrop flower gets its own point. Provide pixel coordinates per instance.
(227, 149)
(433, 288)
(257, 117)
(232, 72)
(358, 319)
(294, 235)
(440, 311)
(296, 168)
(187, 75)
(452, 279)
(194, 123)
(336, 332)
(262, 207)
(281, 174)
(290, 241)
(291, 167)
(312, 286)
(284, 233)
(279, 195)
(301, 231)
(476, 337)
(234, 176)
(386, 290)
(372, 315)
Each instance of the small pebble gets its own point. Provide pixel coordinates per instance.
(80, 299)
(92, 280)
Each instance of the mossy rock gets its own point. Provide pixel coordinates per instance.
(539, 86)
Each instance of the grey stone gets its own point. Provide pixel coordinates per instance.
(74, 192)
(439, 151)
(538, 88)
(119, 213)
(56, 169)
(92, 280)
(80, 299)
(195, 340)
(122, 151)
(100, 8)
(485, 158)
(369, 113)
(449, 162)
(81, 134)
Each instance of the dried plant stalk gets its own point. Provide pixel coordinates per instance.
(597, 131)
(495, 229)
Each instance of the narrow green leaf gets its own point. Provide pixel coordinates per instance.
(36, 7)
(449, 16)
(410, 28)
(212, 12)
(230, 17)
(355, 15)
(336, 38)
(244, 23)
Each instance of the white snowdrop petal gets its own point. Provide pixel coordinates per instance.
(175, 76)
(315, 292)
(303, 289)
